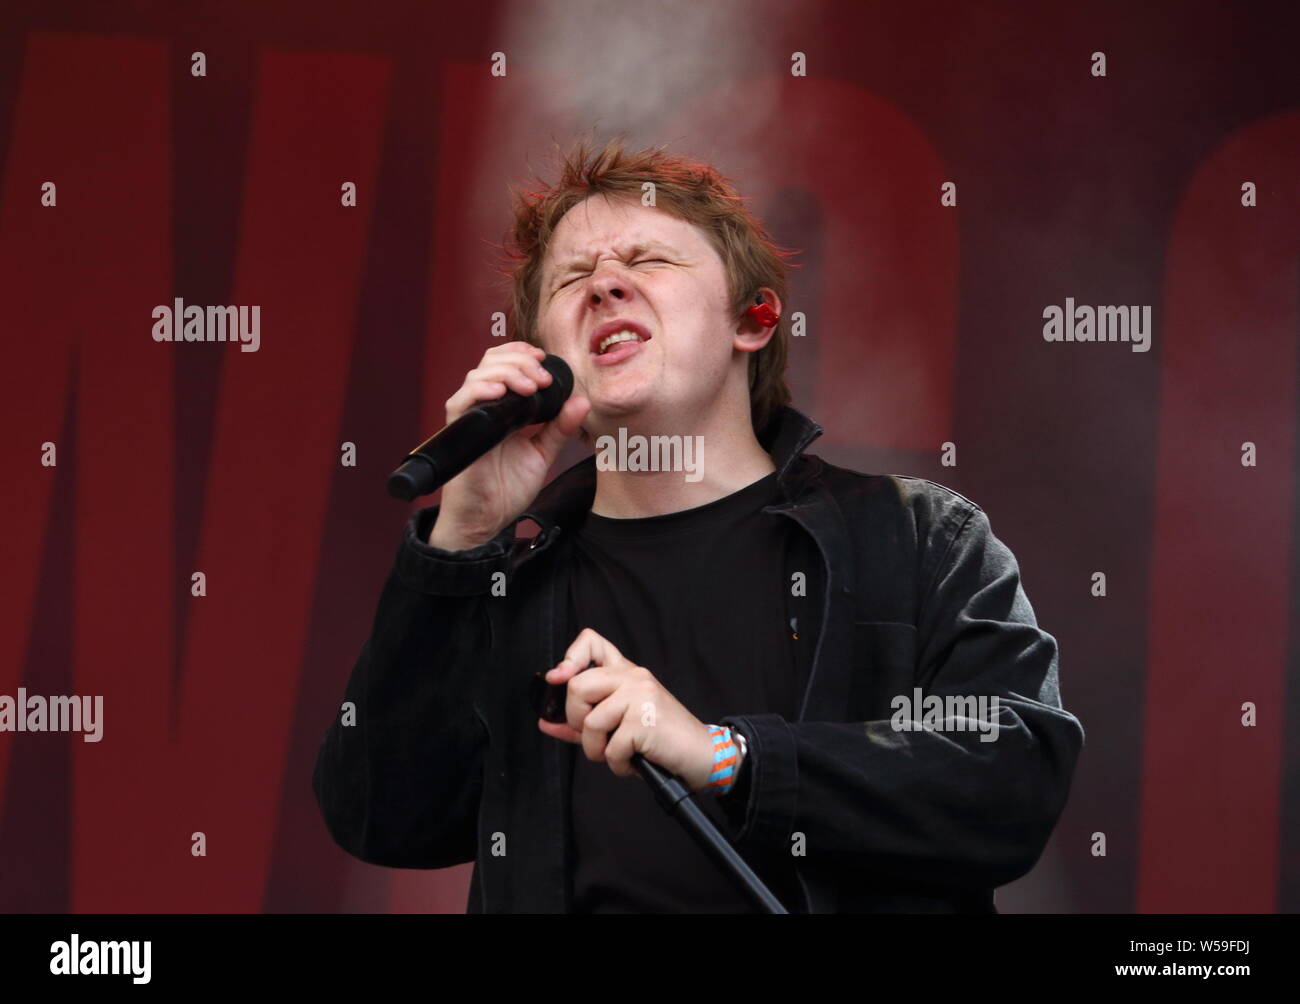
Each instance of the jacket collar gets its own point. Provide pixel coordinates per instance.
(572, 493)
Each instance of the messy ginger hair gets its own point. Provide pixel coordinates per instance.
(693, 192)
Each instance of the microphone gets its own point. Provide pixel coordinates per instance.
(458, 444)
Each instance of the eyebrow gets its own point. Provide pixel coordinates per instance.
(640, 248)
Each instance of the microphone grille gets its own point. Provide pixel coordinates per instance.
(551, 398)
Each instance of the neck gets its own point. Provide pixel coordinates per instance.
(721, 457)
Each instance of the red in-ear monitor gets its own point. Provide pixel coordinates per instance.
(762, 312)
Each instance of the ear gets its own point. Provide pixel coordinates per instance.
(750, 336)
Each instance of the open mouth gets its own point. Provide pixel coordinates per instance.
(610, 342)
(617, 340)
(617, 351)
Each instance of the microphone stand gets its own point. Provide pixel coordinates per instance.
(676, 800)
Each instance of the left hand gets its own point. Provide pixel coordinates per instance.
(619, 697)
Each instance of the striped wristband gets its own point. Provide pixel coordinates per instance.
(726, 760)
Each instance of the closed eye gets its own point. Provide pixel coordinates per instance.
(568, 282)
(640, 261)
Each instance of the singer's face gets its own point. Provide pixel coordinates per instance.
(614, 263)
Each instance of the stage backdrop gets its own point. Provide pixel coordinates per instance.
(184, 534)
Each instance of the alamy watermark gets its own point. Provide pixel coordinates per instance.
(651, 453)
(33, 713)
(952, 713)
(75, 957)
(1083, 323)
(179, 323)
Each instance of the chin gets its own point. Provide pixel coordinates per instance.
(623, 402)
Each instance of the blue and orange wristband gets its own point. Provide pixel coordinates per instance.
(726, 760)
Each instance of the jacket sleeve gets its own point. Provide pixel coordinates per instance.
(931, 806)
(399, 774)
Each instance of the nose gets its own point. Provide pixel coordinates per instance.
(607, 286)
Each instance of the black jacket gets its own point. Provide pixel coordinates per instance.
(445, 764)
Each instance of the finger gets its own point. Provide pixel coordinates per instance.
(592, 647)
(619, 750)
(564, 671)
(523, 374)
(606, 716)
(532, 355)
(592, 686)
(576, 711)
(521, 361)
(559, 730)
(600, 722)
(552, 436)
(585, 692)
(471, 394)
(593, 743)
(516, 346)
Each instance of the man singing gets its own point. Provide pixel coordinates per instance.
(843, 667)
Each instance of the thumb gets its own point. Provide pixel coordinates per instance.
(551, 438)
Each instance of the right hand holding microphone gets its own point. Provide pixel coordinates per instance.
(484, 498)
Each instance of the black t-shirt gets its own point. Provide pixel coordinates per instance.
(703, 599)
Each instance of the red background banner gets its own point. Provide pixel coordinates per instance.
(925, 326)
